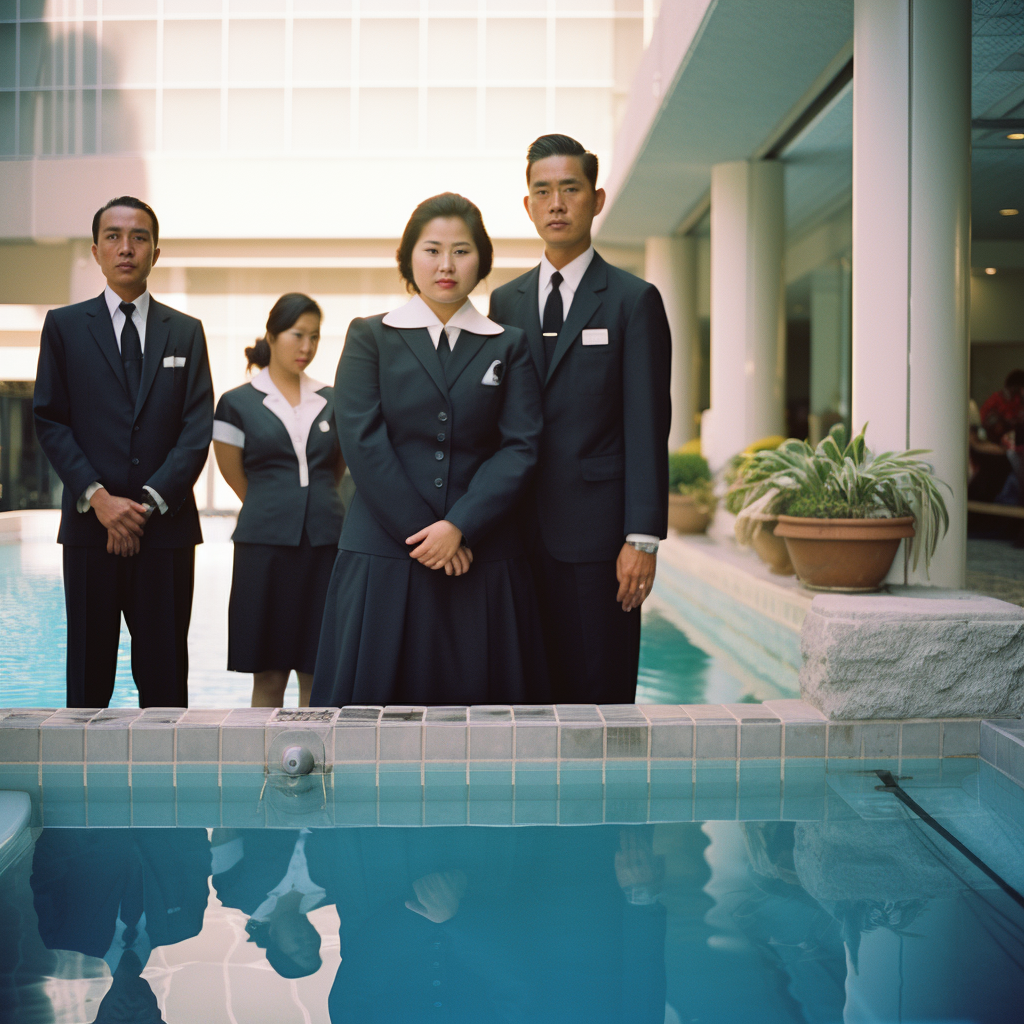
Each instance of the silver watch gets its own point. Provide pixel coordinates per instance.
(649, 547)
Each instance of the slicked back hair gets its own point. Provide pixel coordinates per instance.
(562, 145)
(132, 203)
(447, 204)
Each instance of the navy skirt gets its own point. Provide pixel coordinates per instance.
(395, 632)
(276, 605)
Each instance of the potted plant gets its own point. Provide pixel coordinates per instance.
(843, 510)
(691, 499)
(755, 528)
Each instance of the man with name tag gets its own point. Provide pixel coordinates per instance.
(599, 504)
(124, 411)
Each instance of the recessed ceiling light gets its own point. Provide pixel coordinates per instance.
(990, 271)
(1015, 135)
(1008, 213)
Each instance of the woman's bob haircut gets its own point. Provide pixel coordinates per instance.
(447, 204)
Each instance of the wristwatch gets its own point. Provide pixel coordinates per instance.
(649, 547)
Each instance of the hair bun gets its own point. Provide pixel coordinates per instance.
(258, 354)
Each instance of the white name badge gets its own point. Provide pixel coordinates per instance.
(596, 336)
(174, 361)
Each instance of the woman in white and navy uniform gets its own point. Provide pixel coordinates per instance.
(438, 412)
(277, 447)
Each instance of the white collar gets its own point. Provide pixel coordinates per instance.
(114, 301)
(307, 386)
(572, 273)
(416, 313)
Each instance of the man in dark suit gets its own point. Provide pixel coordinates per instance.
(600, 340)
(124, 411)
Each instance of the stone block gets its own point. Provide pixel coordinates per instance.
(914, 652)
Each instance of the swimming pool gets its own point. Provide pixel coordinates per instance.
(677, 893)
(676, 666)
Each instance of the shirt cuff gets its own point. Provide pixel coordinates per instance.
(642, 538)
(228, 433)
(157, 500)
(83, 502)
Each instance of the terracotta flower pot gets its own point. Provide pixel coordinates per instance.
(772, 549)
(843, 554)
(684, 514)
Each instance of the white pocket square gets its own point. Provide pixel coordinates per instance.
(596, 336)
(493, 374)
(324, 426)
(171, 362)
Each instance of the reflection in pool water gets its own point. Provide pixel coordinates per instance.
(809, 922)
(33, 630)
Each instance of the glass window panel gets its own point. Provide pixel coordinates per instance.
(34, 123)
(583, 48)
(255, 119)
(88, 120)
(7, 44)
(256, 6)
(129, 116)
(89, 56)
(597, 5)
(321, 119)
(388, 50)
(192, 52)
(322, 50)
(453, 6)
(586, 115)
(8, 10)
(451, 110)
(515, 117)
(451, 50)
(256, 51)
(129, 52)
(32, 9)
(393, 6)
(33, 54)
(516, 49)
(321, 6)
(132, 7)
(629, 48)
(172, 7)
(7, 123)
(191, 119)
(388, 118)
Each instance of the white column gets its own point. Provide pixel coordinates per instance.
(911, 244)
(827, 337)
(748, 353)
(86, 277)
(670, 264)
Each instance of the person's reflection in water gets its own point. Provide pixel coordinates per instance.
(265, 874)
(117, 894)
(483, 925)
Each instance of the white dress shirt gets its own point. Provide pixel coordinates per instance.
(296, 879)
(572, 273)
(117, 318)
(416, 313)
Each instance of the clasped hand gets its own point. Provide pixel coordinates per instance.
(123, 519)
(439, 546)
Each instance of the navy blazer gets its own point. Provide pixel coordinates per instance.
(603, 466)
(425, 444)
(91, 431)
(276, 505)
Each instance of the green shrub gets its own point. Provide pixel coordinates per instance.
(686, 470)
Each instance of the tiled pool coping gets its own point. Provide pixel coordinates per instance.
(778, 730)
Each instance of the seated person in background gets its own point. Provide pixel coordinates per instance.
(264, 873)
(989, 465)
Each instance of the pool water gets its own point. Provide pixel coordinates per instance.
(858, 913)
(33, 629)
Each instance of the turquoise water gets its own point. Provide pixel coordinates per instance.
(842, 908)
(673, 668)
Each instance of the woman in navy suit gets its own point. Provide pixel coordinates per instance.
(277, 447)
(438, 411)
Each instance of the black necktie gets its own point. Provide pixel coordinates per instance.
(444, 348)
(553, 318)
(131, 351)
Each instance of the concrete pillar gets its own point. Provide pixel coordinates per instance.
(827, 337)
(670, 264)
(748, 353)
(911, 244)
(86, 277)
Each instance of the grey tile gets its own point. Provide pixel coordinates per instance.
(843, 739)
(622, 714)
(204, 716)
(323, 717)
(744, 712)
(251, 718)
(69, 716)
(162, 716)
(715, 739)
(355, 740)
(402, 713)
(491, 742)
(988, 743)
(920, 739)
(536, 741)
(455, 713)
(578, 713)
(656, 712)
(444, 742)
(112, 718)
(882, 739)
(19, 739)
(708, 712)
(580, 742)
(60, 742)
(400, 740)
(805, 739)
(198, 744)
(107, 745)
(1015, 762)
(243, 744)
(761, 738)
(626, 741)
(152, 741)
(961, 739)
(533, 712)
(672, 738)
(794, 710)
(490, 713)
(359, 713)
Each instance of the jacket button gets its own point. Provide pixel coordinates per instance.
(439, 456)
(135, 462)
(136, 428)
(440, 436)
(439, 482)
(443, 416)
